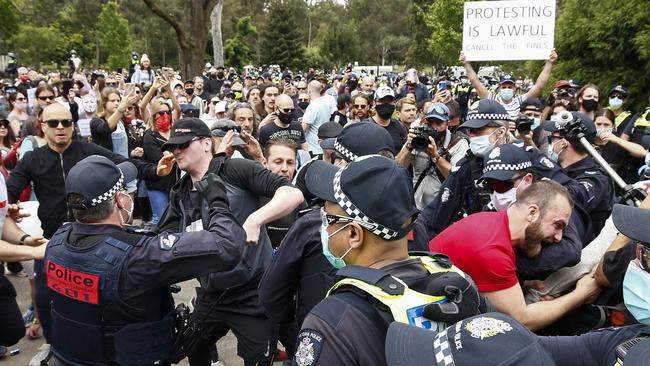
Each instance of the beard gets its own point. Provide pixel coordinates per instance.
(534, 237)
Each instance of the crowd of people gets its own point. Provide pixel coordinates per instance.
(330, 218)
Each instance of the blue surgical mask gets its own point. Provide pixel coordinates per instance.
(481, 145)
(336, 262)
(615, 103)
(507, 94)
(536, 123)
(636, 292)
(555, 156)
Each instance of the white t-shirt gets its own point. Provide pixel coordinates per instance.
(317, 113)
(515, 103)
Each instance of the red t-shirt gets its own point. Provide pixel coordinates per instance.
(480, 246)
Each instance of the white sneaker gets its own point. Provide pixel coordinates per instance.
(43, 353)
(218, 363)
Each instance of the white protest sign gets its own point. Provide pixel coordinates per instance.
(84, 127)
(508, 30)
(31, 96)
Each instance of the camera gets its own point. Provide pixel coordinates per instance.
(524, 124)
(421, 139)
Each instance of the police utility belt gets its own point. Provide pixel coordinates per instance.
(405, 305)
(91, 324)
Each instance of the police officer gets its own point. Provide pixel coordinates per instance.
(462, 93)
(368, 213)
(299, 269)
(459, 196)
(12, 66)
(595, 191)
(109, 285)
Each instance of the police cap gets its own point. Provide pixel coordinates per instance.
(97, 179)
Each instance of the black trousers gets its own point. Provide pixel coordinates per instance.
(12, 327)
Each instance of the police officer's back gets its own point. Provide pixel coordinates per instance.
(109, 286)
(369, 211)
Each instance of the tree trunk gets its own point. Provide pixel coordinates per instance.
(217, 39)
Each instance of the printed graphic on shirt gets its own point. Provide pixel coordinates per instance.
(167, 241)
(76, 285)
(485, 327)
(310, 343)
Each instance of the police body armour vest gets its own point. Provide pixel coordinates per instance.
(406, 305)
(91, 325)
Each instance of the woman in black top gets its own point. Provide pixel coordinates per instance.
(157, 134)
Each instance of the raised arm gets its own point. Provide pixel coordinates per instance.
(543, 77)
(481, 90)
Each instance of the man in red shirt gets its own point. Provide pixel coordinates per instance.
(483, 245)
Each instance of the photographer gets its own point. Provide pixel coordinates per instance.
(432, 150)
(527, 124)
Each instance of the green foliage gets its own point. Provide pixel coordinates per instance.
(236, 50)
(113, 32)
(605, 42)
(340, 43)
(445, 19)
(8, 20)
(419, 53)
(281, 39)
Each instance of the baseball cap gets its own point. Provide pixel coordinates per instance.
(328, 132)
(220, 107)
(562, 84)
(483, 113)
(504, 161)
(97, 179)
(487, 339)
(438, 111)
(564, 120)
(222, 126)
(619, 88)
(373, 190)
(531, 104)
(383, 92)
(362, 138)
(184, 130)
(628, 220)
(507, 78)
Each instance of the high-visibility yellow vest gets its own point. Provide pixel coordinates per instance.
(621, 117)
(643, 120)
(407, 305)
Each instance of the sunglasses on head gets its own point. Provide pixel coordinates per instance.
(46, 97)
(54, 123)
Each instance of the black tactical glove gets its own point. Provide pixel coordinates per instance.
(212, 189)
(464, 300)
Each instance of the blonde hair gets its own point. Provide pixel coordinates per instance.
(101, 113)
(155, 106)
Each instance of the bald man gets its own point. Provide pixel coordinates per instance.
(319, 111)
(46, 168)
(284, 124)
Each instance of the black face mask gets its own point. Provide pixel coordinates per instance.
(285, 118)
(385, 110)
(303, 105)
(189, 91)
(589, 105)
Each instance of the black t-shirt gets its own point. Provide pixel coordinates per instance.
(339, 118)
(615, 265)
(397, 131)
(272, 131)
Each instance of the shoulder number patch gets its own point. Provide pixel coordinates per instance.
(310, 343)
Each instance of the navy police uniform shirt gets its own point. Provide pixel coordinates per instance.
(345, 329)
(596, 348)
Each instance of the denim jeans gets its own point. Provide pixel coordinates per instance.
(159, 201)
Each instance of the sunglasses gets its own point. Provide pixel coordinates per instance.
(182, 146)
(287, 111)
(330, 219)
(46, 97)
(54, 123)
(112, 85)
(130, 108)
(163, 112)
(643, 255)
(302, 88)
(501, 186)
(359, 106)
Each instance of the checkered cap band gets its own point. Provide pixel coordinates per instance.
(489, 116)
(442, 350)
(352, 210)
(108, 194)
(511, 167)
(347, 154)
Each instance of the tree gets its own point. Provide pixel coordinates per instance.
(419, 53)
(113, 32)
(281, 40)
(191, 27)
(9, 20)
(341, 44)
(444, 18)
(217, 40)
(237, 51)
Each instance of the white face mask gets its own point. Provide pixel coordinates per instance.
(601, 131)
(481, 145)
(502, 201)
(129, 212)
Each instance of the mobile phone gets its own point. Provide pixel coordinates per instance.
(129, 88)
(162, 76)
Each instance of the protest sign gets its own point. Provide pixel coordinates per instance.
(508, 30)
